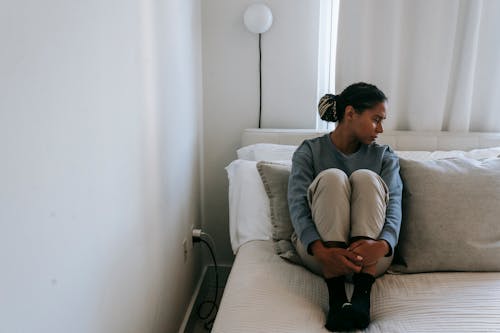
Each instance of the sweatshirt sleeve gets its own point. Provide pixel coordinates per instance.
(391, 177)
(301, 177)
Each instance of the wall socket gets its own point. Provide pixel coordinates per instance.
(187, 244)
(190, 237)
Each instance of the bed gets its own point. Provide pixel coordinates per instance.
(266, 293)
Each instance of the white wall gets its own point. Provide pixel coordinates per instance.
(100, 131)
(230, 86)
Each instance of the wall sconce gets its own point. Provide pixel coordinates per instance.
(258, 18)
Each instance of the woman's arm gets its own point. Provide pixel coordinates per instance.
(301, 177)
(391, 177)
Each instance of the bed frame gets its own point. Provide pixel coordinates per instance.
(266, 294)
(398, 140)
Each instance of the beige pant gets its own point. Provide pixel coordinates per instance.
(345, 207)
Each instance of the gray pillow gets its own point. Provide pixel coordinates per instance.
(451, 216)
(275, 179)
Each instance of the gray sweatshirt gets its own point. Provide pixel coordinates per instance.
(316, 155)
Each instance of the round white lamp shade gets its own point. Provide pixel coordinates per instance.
(258, 18)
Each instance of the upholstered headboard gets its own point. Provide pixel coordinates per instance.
(398, 140)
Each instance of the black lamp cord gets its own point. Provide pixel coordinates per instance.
(260, 79)
(209, 317)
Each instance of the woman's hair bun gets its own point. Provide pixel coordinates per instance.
(327, 108)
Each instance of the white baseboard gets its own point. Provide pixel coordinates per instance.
(189, 309)
(205, 284)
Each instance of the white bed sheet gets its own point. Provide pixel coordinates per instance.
(266, 294)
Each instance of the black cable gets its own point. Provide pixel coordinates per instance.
(210, 316)
(260, 79)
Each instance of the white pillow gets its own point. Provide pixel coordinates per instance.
(249, 210)
(484, 153)
(477, 154)
(266, 152)
(429, 155)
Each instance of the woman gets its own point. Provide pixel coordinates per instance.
(344, 196)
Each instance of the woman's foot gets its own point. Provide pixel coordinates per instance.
(342, 319)
(335, 320)
(360, 309)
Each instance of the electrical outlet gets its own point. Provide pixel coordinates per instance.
(190, 237)
(186, 249)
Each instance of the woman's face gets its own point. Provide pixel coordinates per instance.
(368, 124)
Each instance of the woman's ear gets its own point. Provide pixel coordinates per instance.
(349, 112)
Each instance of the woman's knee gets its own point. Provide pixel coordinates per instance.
(364, 178)
(332, 177)
(332, 181)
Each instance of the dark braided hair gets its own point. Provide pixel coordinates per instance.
(360, 96)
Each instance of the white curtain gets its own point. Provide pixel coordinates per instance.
(438, 61)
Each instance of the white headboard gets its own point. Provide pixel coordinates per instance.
(398, 140)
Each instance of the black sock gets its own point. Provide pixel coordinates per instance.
(336, 298)
(361, 299)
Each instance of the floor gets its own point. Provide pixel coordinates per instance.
(207, 293)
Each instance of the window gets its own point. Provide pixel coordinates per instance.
(328, 24)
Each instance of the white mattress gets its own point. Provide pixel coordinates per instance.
(266, 294)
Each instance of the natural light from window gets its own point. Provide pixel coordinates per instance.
(328, 24)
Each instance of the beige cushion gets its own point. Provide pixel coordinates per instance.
(451, 215)
(275, 178)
